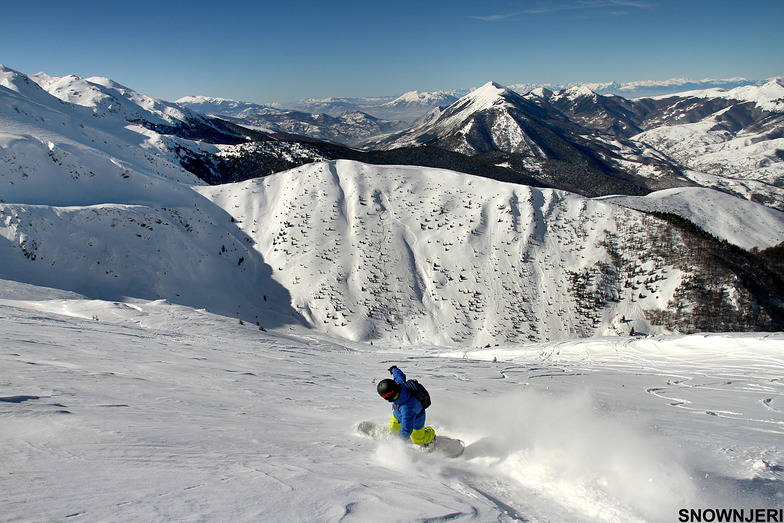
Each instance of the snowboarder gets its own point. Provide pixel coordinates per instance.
(408, 412)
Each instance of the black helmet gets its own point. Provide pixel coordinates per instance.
(388, 389)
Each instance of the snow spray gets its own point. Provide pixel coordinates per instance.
(564, 449)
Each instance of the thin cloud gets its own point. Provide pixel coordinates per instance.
(495, 18)
(611, 7)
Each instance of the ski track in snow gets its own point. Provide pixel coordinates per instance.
(151, 411)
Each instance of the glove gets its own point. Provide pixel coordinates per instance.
(392, 367)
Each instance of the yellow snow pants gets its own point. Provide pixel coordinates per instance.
(418, 437)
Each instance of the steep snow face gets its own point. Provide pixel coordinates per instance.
(189, 254)
(414, 255)
(485, 97)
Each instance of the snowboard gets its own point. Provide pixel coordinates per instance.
(443, 445)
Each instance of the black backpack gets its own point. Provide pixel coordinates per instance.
(419, 392)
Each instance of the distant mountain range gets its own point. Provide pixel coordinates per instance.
(645, 88)
(407, 107)
(112, 194)
(574, 139)
(412, 105)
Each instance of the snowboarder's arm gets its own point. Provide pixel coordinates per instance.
(398, 375)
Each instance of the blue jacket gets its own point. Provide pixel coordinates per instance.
(406, 408)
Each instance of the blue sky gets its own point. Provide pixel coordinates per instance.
(279, 51)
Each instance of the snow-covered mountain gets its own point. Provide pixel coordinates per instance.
(729, 140)
(348, 128)
(96, 204)
(412, 105)
(643, 88)
(366, 252)
(68, 119)
(44, 134)
(225, 106)
(454, 123)
(522, 133)
(420, 254)
(93, 201)
(579, 140)
(726, 139)
(407, 107)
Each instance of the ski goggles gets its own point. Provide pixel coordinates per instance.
(391, 395)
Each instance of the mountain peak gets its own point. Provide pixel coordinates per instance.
(486, 96)
(576, 92)
(491, 88)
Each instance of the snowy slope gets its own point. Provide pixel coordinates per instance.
(88, 134)
(144, 410)
(416, 254)
(106, 97)
(724, 139)
(743, 223)
(735, 146)
(52, 151)
(768, 97)
(92, 203)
